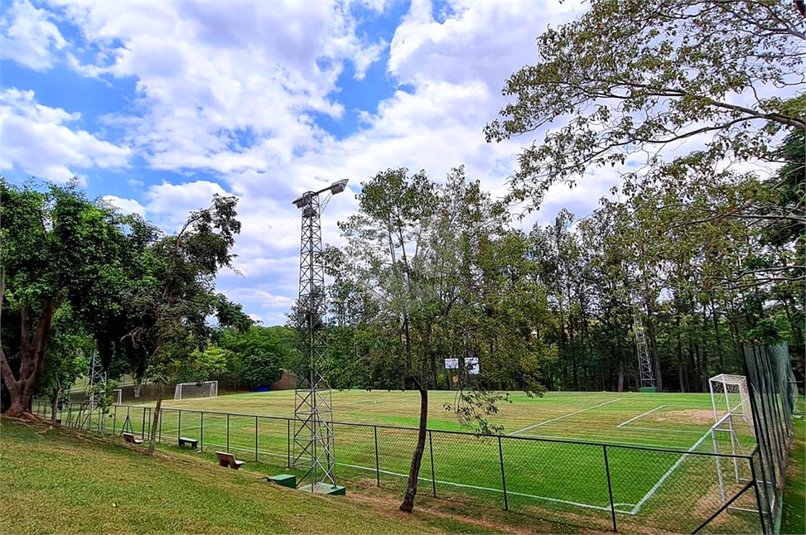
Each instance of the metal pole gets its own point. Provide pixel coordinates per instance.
(201, 433)
(115, 420)
(255, 438)
(377, 462)
(610, 488)
(179, 426)
(503, 476)
(159, 431)
(758, 496)
(227, 432)
(143, 424)
(288, 442)
(433, 479)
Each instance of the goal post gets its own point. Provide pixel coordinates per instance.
(203, 389)
(733, 432)
(730, 395)
(117, 396)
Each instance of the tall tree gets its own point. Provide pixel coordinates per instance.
(57, 247)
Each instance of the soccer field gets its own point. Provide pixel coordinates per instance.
(563, 456)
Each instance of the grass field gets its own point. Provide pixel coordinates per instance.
(548, 478)
(60, 481)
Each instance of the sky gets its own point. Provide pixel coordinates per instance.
(157, 105)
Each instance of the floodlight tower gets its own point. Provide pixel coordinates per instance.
(313, 412)
(645, 369)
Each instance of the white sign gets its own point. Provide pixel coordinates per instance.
(472, 365)
(451, 364)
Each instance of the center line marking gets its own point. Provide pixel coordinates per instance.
(639, 416)
(565, 416)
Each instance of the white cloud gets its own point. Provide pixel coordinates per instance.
(36, 140)
(28, 37)
(126, 206)
(211, 75)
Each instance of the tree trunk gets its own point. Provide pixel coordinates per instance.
(416, 461)
(54, 406)
(156, 420)
(32, 352)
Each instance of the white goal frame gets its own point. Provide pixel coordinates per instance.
(212, 392)
(117, 396)
(730, 401)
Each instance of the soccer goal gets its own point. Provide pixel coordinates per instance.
(204, 389)
(117, 396)
(732, 432)
(730, 395)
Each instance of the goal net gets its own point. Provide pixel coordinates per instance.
(730, 395)
(204, 389)
(732, 432)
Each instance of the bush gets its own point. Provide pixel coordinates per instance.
(260, 369)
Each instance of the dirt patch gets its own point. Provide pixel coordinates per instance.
(692, 416)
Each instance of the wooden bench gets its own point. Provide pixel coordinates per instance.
(130, 438)
(228, 459)
(192, 442)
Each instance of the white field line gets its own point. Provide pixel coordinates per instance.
(509, 492)
(565, 416)
(639, 416)
(665, 430)
(669, 472)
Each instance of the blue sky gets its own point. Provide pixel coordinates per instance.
(156, 106)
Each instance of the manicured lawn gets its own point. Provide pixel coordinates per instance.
(58, 481)
(554, 480)
(794, 514)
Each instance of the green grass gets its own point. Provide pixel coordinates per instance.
(549, 479)
(58, 481)
(794, 512)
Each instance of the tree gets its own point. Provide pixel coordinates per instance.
(57, 248)
(415, 265)
(66, 359)
(168, 304)
(632, 76)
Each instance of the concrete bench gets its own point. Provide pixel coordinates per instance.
(228, 459)
(192, 442)
(130, 438)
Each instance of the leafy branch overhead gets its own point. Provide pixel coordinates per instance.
(632, 76)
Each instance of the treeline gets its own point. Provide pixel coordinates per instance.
(433, 271)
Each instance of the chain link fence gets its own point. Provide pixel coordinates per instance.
(773, 395)
(609, 487)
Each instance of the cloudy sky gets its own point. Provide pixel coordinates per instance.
(157, 105)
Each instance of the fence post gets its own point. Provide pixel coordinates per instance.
(433, 479)
(201, 433)
(159, 427)
(179, 426)
(255, 438)
(503, 475)
(377, 462)
(143, 425)
(115, 420)
(227, 432)
(758, 496)
(288, 441)
(610, 488)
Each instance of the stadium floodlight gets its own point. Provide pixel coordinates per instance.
(313, 411)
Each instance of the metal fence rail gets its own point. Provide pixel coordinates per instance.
(609, 487)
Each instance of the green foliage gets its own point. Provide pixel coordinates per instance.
(259, 354)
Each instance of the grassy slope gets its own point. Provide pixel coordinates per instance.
(794, 519)
(55, 481)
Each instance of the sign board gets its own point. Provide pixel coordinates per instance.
(451, 364)
(472, 365)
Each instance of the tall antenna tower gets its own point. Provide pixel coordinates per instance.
(313, 409)
(645, 369)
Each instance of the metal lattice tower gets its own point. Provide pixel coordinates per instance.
(313, 410)
(97, 376)
(645, 369)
